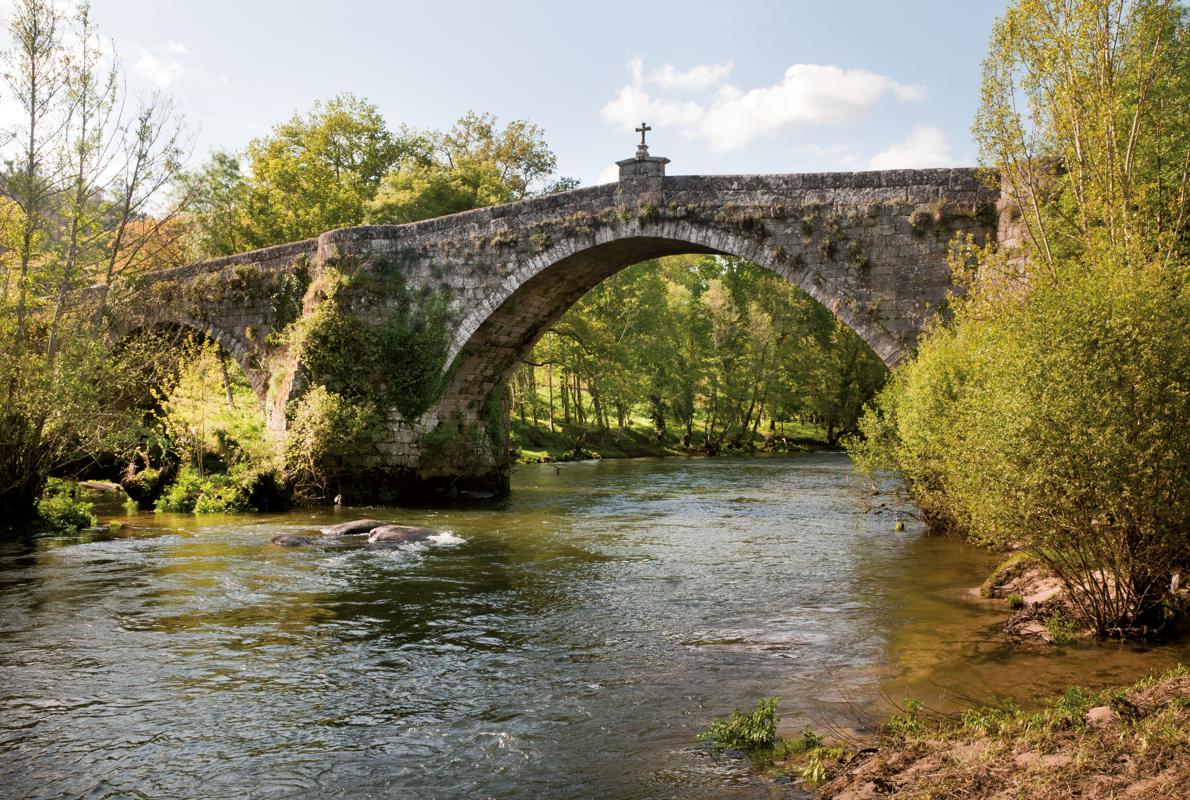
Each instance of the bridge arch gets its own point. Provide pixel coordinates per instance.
(501, 331)
(257, 379)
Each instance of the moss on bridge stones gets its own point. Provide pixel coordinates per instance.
(287, 301)
(471, 455)
(372, 339)
(368, 346)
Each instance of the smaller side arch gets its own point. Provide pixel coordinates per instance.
(257, 379)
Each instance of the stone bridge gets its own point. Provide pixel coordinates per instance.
(479, 288)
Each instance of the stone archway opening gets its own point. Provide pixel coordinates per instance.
(691, 353)
(200, 409)
(495, 340)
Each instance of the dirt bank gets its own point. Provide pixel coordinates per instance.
(1126, 743)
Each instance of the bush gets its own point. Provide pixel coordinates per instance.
(1061, 629)
(747, 733)
(181, 495)
(327, 435)
(62, 512)
(1052, 410)
(909, 721)
(145, 486)
(213, 494)
(1058, 423)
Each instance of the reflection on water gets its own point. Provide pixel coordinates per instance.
(568, 643)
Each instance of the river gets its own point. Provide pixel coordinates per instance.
(566, 643)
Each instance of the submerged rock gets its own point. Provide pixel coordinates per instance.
(355, 526)
(399, 533)
(290, 540)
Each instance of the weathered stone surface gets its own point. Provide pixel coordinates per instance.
(355, 526)
(871, 246)
(290, 540)
(399, 533)
(1101, 716)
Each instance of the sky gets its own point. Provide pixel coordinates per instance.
(728, 87)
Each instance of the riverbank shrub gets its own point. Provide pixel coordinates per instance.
(1059, 425)
(60, 509)
(748, 733)
(1048, 413)
(212, 413)
(219, 493)
(328, 435)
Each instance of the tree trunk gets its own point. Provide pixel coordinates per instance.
(550, 378)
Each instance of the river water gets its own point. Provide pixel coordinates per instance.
(567, 643)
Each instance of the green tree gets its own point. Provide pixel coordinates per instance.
(702, 339)
(215, 198)
(313, 173)
(474, 164)
(1051, 411)
(78, 180)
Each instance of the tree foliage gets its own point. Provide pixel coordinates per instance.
(713, 346)
(472, 165)
(83, 170)
(341, 165)
(1051, 411)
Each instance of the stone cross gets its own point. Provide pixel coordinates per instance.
(642, 130)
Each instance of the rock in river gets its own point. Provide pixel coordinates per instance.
(290, 540)
(355, 526)
(399, 533)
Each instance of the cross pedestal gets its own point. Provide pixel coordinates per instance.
(642, 166)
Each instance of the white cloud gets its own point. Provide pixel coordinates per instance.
(905, 91)
(161, 65)
(807, 94)
(634, 104)
(609, 174)
(701, 76)
(924, 147)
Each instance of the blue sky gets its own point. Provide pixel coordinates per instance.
(728, 87)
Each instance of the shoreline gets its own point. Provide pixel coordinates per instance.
(1128, 741)
(535, 444)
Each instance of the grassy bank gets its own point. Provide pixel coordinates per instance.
(1130, 742)
(534, 443)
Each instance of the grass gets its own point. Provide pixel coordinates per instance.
(805, 757)
(1045, 753)
(754, 732)
(1061, 629)
(535, 443)
(1135, 745)
(1013, 567)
